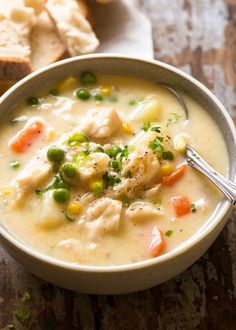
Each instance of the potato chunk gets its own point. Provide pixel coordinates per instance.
(37, 172)
(101, 123)
(50, 215)
(147, 111)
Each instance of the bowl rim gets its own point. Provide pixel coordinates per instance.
(182, 248)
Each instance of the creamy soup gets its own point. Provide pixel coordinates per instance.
(94, 171)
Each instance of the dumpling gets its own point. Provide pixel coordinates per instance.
(102, 217)
(96, 164)
(140, 211)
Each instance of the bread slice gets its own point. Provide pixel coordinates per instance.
(104, 1)
(16, 21)
(45, 43)
(74, 29)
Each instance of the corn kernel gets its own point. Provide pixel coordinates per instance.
(74, 208)
(106, 90)
(180, 143)
(67, 83)
(166, 168)
(7, 191)
(127, 129)
(50, 134)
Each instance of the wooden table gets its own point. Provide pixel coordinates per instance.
(199, 36)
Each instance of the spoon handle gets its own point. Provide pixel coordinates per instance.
(226, 186)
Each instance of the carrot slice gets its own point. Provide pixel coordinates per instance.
(174, 176)
(158, 243)
(23, 139)
(181, 205)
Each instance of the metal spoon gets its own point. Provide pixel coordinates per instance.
(178, 96)
(196, 161)
(227, 187)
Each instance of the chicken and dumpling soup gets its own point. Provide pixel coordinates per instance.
(94, 170)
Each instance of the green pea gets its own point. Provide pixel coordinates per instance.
(33, 100)
(132, 102)
(54, 92)
(113, 151)
(113, 98)
(97, 187)
(83, 94)
(98, 97)
(76, 139)
(55, 154)
(68, 170)
(61, 195)
(88, 78)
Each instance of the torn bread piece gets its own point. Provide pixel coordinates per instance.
(46, 45)
(104, 1)
(73, 28)
(16, 21)
(37, 5)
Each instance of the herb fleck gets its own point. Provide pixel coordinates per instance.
(167, 155)
(156, 145)
(156, 129)
(156, 201)
(27, 297)
(21, 315)
(173, 118)
(146, 126)
(110, 180)
(169, 233)
(128, 174)
(193, 208)
(15, 164)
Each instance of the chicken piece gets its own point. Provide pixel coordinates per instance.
(143, 166)
(51, 213)
(95, 164)
(102, 217)
(140, 211)
(101, 123)
(36, 172)
(152, 192)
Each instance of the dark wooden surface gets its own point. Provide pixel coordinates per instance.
(199, 36)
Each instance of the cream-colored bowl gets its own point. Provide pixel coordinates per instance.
(144, 274)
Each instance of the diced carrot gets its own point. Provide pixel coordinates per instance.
(158, 243)
(181, 205)
(23, 139)
(174, 176)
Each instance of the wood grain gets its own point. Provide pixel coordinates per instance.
(199, 36)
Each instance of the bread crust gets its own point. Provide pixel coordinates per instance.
(14, 68)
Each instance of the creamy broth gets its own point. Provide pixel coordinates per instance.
(120, 199)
